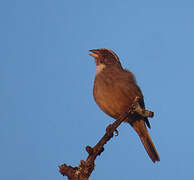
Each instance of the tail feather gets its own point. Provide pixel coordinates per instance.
(146, 140)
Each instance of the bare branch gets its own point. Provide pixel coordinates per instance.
(84, 170)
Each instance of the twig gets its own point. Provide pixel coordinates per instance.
(84, 170)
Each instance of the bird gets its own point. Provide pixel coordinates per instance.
(115, 90)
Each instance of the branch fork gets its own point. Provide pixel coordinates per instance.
(84, 170)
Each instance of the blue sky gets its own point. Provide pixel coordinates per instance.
(47, 110)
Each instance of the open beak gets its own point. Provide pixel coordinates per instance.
(95, 53)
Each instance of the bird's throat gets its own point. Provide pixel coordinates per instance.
(100, 67)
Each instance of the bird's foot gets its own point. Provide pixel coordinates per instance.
(138, 109)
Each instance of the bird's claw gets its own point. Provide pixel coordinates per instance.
(135, 107)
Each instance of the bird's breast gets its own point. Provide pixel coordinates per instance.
(113, 93)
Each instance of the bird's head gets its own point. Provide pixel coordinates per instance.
(105, 58)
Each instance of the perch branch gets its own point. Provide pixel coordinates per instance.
(84, 170)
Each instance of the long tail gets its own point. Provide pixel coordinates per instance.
(142, 131)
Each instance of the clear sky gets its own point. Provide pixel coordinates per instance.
(47, 110)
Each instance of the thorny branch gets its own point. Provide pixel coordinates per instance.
(84, 170)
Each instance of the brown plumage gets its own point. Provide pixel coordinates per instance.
(115, 90)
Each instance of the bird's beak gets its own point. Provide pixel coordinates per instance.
(94, 53)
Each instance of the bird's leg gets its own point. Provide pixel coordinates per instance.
(138, 109)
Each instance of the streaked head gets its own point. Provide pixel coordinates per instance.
(104, 57)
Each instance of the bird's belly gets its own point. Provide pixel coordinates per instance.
(112, 101)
